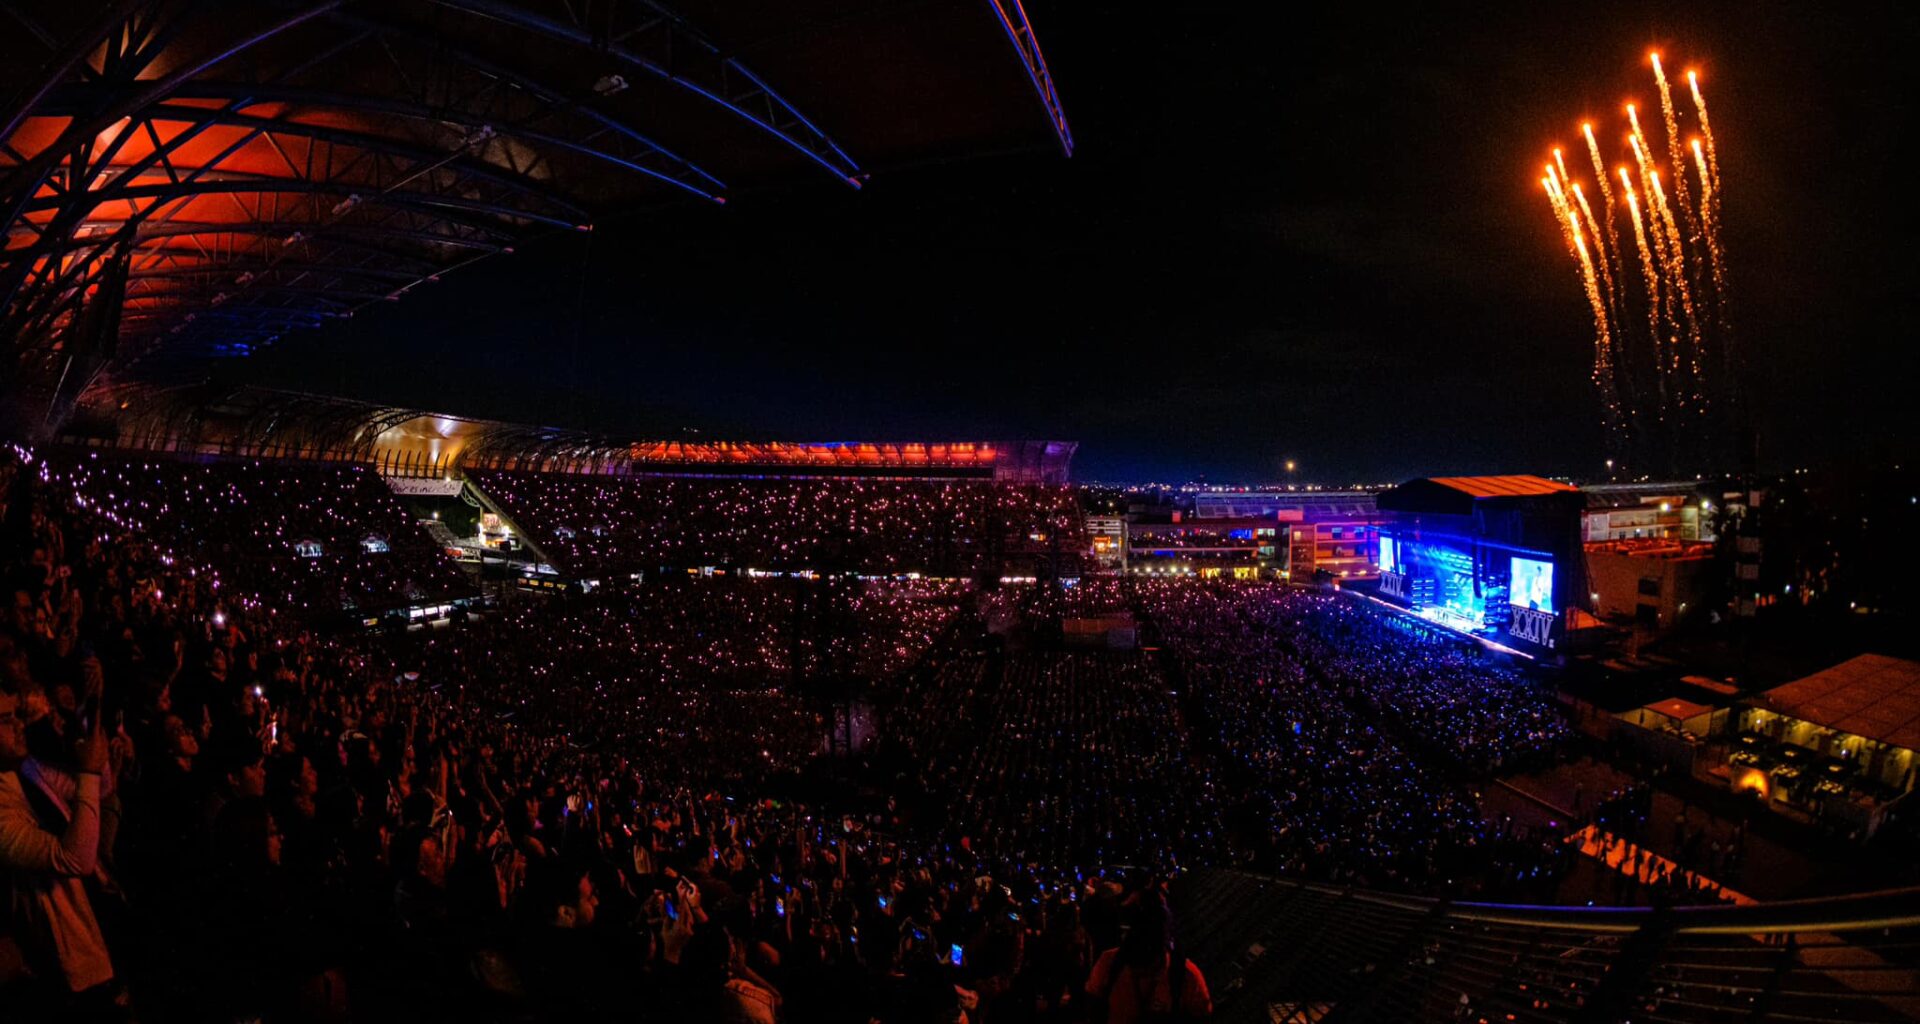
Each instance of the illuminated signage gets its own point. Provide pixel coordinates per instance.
(1394, 584)
(425, 486)
(1532, 626)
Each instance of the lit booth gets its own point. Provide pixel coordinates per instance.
(1496, 556)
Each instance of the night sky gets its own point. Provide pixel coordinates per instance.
(1319, 237)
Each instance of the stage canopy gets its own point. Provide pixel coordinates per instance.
(1456, 495)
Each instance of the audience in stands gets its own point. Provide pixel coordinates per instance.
(312, 539)
(218, 805)
(605, 525)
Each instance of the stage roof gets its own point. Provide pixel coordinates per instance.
(1503, 486)
(186, 181)
(1459, 495)
(1873, 695)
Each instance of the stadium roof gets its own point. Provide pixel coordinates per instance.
(253, 422)
(1873, 695)
(182, 181)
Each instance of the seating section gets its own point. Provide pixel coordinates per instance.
(301, 537)
(596, 525)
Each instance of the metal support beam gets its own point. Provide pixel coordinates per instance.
(706, 187)
(1013, 18)
(63, 63)
(675, 169)
(699, 67)
(171, 192)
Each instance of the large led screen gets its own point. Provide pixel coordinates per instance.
(1386, 554)
(1532, 584)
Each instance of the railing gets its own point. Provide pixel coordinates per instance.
(1275, 949)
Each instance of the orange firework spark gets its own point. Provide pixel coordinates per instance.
(1706, 127)
(1600, 249)
(1606, 186)
(1556, 182)
(1710, 226)
(1558, 199)
(1599, 296)
(1656, 228)
(1677, 270)
(1710, 220)
(1675, 151)
(1651, 272)
(1675, 227)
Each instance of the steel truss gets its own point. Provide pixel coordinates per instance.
(214, 151)
(1013, 18)
(191, 178)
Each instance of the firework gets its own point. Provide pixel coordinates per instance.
(1675, 151)
(1651, 272)
(1660, 395)
(1590, 280)
(1706, 127)
(1689, 363)
(1602, 261)
(1606, 188)
(1705, 154)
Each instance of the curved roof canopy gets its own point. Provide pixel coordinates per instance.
(249, 422)
(192, 178)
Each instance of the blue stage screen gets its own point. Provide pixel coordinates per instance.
(1386, 554)
(1532, 584)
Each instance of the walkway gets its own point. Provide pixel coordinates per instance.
(1645, 866)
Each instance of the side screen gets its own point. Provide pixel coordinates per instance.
(1532, 584)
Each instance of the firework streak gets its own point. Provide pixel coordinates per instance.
(1667, 391)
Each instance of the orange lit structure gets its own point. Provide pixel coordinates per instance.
(404, 442)
(184, 182)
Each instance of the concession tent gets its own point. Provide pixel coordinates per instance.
(1849, 734)
(1872, 697)
(1670, 730)
(1673, 712)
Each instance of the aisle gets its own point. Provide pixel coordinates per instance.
(1613, 853)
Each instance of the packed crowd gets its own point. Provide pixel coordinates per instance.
(1051, 758)
(1346, 748)
(1313, 785)
(312, 539)
(680, 675)
(1253, 732)
(598, 525)
(213, 807)
(1447, 694)
(213, 812)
